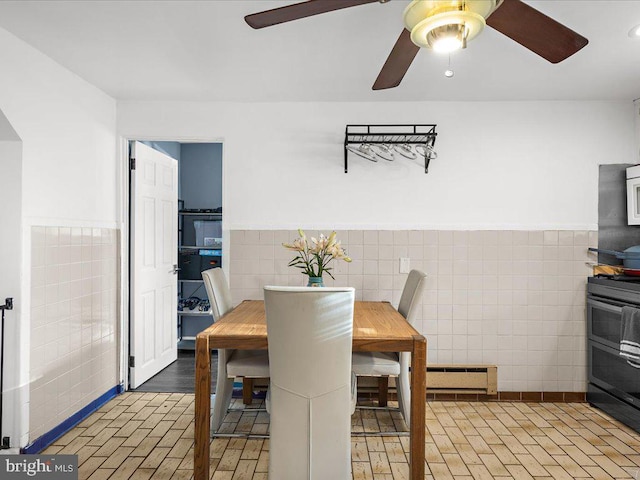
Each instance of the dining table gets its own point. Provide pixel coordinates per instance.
(377, 327)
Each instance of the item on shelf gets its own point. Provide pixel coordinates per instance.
(210, 253)
(207, 232)
(212, 241)
(405, 150)
(204, 306)
(364, 150)
(383, 151)
(188, 303)
(190, 265)
(193, 261)
(427, 151)
(203, 211)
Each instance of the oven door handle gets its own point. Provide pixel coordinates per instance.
(614, 307)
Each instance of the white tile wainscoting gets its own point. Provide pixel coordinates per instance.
(515, 299)
(74, 314)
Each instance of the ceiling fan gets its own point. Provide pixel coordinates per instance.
(446, 25)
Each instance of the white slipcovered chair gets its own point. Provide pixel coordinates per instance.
(386, 364)
(311, 392)
(231, 363)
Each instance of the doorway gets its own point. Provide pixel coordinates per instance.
(199, 246)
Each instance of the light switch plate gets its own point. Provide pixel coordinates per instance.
(405, 264)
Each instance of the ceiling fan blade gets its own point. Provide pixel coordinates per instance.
(299, 10)
(534, 30)
(398, 62)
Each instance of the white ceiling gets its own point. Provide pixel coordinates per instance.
(203, 50)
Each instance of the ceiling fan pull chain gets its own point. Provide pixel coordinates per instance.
(448, 72)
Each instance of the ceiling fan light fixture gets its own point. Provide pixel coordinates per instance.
(448, 38)
(445, 26)
(635, 32)
(447, 31)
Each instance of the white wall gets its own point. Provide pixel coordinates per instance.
(69, 167)
(524, 172)
(636, 115)
(67, 127)
(529, 165)
(10, 259)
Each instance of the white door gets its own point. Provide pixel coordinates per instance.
(154, 255)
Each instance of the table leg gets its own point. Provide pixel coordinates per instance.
(202, 432)
(383, 391)
(418, 406)
(247, 391)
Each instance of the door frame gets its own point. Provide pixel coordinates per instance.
(124, 208)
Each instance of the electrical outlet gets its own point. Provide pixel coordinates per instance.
(405, 265)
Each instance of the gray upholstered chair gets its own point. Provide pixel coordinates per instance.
(386, 364)
(246, 364)
(310, 397)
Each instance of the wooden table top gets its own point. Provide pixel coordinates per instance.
(377, 326)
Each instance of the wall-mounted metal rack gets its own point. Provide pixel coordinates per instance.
(391, 135)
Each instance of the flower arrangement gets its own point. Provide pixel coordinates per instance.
(314, 256)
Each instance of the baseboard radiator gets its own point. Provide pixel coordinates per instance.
(474, 379)
(480, 379)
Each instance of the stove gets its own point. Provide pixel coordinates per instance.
(614, 385)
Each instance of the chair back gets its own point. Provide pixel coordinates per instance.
(218, 292)
(310, 333)
(215, 282)
(411, 294)
(408, 308)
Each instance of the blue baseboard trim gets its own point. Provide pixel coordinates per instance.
(52, 435)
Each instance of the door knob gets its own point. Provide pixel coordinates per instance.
(175, 269)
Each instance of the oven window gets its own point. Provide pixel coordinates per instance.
(610, 370)
(605, 323)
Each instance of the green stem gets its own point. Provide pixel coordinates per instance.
(309, 269)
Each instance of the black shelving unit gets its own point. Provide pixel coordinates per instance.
(193, 258)
(422, 134)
